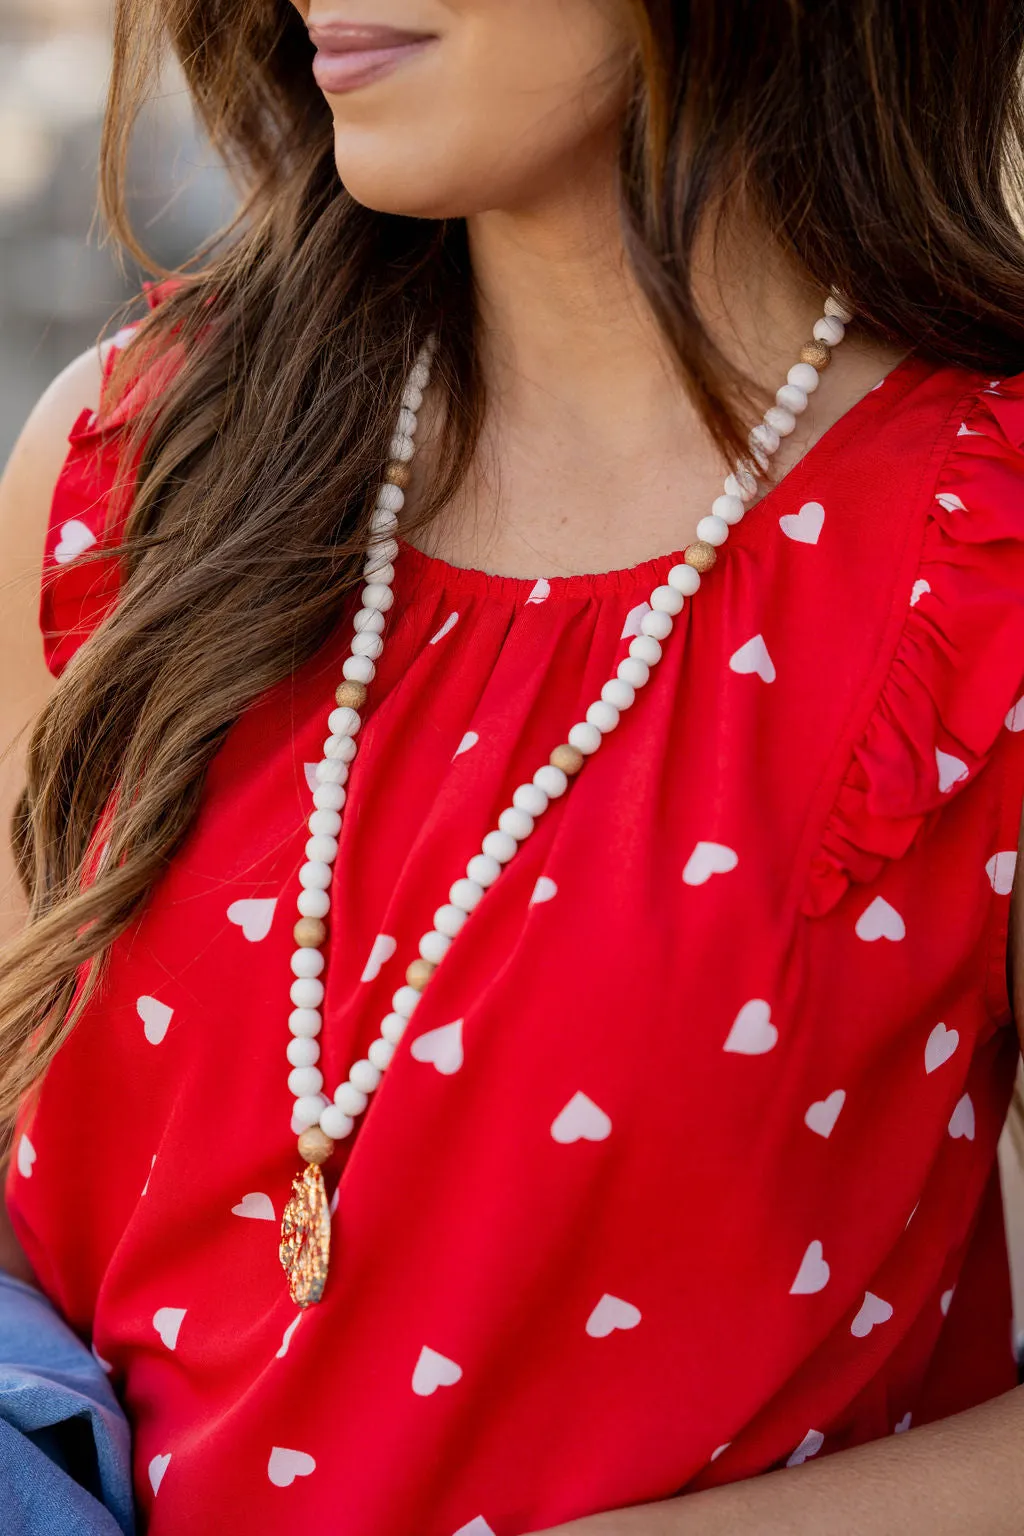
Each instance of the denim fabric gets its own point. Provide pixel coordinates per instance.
(65, 1459)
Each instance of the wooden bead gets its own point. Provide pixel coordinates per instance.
(701, 556)
(569, 759)
(315, 1145)
(419, 973)
(350, 695)
(397, 473)
(817, 353)
(309, 933)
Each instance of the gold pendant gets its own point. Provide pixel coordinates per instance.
(306, 1237)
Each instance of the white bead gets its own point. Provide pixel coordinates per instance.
(551, 780)
(344, 721)
(368, 621)
(305, 1081)
(305, 1023)
(387, 549)
(464, 894)
(419, 376)
(729, 508)
(377, 595)
(585, 738)
(382, 522)
(530, 799)
(358, 669)
(645, 649)
(315, 875)
(829, 330)
(364, 1076)
(605, 717)
(518, 824)
(449, 919)
(380, 1054)
(657, 625)
(684, 579)
(741, 482)
(307, 962)
(635, 673)
(804, 376)
(780, 420)
(402, 448)
(307, 1111)
(713, 530)
(618, 694)
(322, 850)
(407, 422)
(500, 846)
(834, 306)
(405, 1001)
(336, 750)
(303, 1051)
(381, 571)
(434, 946)
(390, 498)
(345, 749)
(483, 870)
(368, 644)
(412, 398)
(335, 1124)
(764, 438)
(667, 599)
(331, 771)
(324, 823)
(393, 1028)
(329, 797)
(350, 1099)
(306, 992)
(792, 398)
(314, 903)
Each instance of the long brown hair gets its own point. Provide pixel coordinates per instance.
(880, 142)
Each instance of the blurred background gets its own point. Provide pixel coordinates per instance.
(58, 284)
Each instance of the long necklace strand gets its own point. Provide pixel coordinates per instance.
(319, 1122)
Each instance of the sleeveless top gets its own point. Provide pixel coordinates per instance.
(685, 1168)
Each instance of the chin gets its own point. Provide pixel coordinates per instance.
(416, 186)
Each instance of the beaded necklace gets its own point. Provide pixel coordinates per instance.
(319, 1122)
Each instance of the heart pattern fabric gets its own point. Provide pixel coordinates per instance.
(752, 1032)
(873, 1310)
(254, 915)
(255, 1207)
(75, 539)
(156, 1018)
(26, 1156)
(285, 1466)
(822, 1116)
(809, 1446)
(940, 1046)
(804, 527)
(167, 1322)
(880, 920)
(433, 1371)
(581, 1120)
(709, 859)
(440, 1048)
(814, 1272)
(752, 658)
(611, 1313)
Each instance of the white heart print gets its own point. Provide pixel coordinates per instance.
(446, 628)
(946, 1301)
(1015, 719)
(709, 859)
(961, 1121)
(813, 1274)
(753, 658)
(809, 1446)
(467, 744)
(804, 527)
(544, 890)
(541, 591)
(167, 1321)
(477, 1527)
(873, 1310)
(155, 1016)
(950, 502)
(581, 1120)
(440, 1048)
(289, 1334)
(285, 1466)
(634, 620)
(918, 591)
(75, 539)
(26, 1157)
(433, 1371)
(254, 915)
(256, 1206)
(384, 947)
(1001, 868)
(903, 1425)
(157, 1467)
(610, 1313)
(879, 920)
(822, 1115)
(752, 1033)
(720, 1450)
(309, 769)
(952, 770)
(941, 1044)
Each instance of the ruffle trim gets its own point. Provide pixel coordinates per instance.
(957, 674)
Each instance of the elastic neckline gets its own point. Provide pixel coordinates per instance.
(431, 570)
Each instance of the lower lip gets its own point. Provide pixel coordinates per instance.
(336, 73)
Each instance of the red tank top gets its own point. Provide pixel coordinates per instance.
(686, 1166)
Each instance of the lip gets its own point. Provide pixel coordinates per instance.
(351, 54)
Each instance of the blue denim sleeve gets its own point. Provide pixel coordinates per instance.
(65, 1455)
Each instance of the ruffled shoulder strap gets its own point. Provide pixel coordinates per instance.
(80, 578)
(957, 673)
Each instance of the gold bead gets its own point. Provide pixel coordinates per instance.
(817, 353)
(419, 973)
(701, 556)
(309, 933)
(569, 759)
(350, 695)
(315, 1145)
(397, 473)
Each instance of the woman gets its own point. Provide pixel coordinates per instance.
(631, 960)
